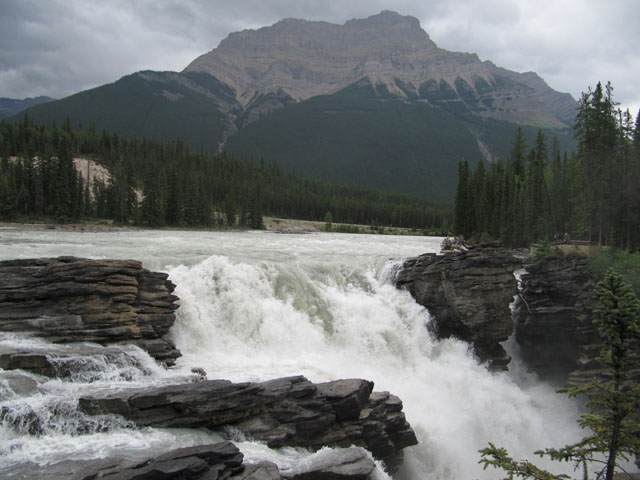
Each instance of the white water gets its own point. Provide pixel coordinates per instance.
(258, 305)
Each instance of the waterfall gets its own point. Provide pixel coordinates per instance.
(256, 306)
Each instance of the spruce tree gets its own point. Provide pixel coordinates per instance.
(537, 191)
(461, 202)
(230, 209)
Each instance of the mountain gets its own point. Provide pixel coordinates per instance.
(12, 106)
(298, 59)
(373, 102)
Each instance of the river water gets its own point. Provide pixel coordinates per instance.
(260, 305)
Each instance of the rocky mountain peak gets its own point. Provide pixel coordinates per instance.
(304, 58)
(293, 60)
(387, 19)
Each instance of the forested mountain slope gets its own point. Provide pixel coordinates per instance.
(373, 102)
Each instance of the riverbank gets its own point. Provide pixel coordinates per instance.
(271, 224)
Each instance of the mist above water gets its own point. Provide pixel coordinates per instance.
(259, 305)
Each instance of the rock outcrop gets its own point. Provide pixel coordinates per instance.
(210, 462)
(283, 412)
(555, 328)
(68, 299)
(468, 293)
(218, 461)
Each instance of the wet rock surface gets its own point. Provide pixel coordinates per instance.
(468, 293)
(348, 463)
(68, 299)
(289, 411)
(211, 462)
(555, 329)
(218, 461)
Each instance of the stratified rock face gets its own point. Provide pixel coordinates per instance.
(555, 328)
(468, 293)
(70, 299)
(301, 59)
(284, 412)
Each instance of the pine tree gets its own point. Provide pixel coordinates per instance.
(461, 202)
(328, 222)
(597, 135)
(255, 207)
(152, 207)
(518, 153)
(230, 209)
(536, 191)
(175, 198)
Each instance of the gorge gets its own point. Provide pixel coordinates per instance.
(256, 306)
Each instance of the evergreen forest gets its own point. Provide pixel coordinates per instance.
(542, 193)
(166, 184)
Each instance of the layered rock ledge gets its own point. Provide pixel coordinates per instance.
(219, 461)
(468, 293)
(69, 299)
(283, 412)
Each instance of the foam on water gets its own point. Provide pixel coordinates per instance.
(256, 306)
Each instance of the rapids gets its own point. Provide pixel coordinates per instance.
(258, 305)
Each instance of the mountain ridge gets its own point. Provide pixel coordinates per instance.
(304, 59)
(13, 106)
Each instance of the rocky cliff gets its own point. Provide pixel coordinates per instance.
(68, 299)
(555, 329)
(468, 294)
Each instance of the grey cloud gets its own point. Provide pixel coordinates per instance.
(57, 47)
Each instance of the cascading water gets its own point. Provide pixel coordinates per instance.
(256, 306)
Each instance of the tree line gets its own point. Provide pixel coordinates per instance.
(166, 184)
(592, 194)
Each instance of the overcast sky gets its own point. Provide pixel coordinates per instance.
(59, 47)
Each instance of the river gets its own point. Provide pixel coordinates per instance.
(260, 305)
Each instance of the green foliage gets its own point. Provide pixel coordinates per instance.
(545, 251)
(344, 228)
(624, 263)
(498, 457)
(613, 398)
